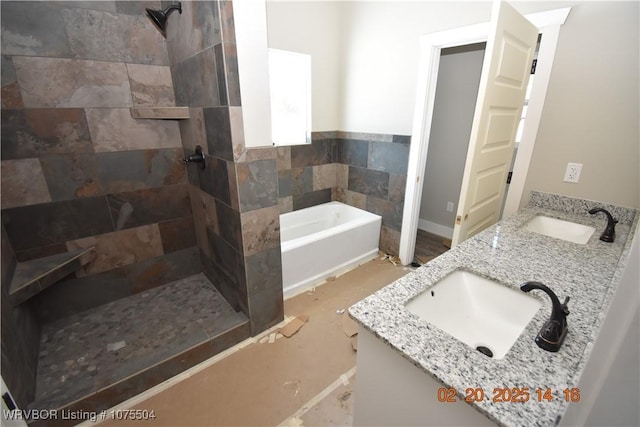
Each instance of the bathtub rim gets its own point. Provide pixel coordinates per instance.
(366, 218)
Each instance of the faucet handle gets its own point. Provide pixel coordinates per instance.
(565, 309)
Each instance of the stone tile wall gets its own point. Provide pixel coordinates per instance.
(77, 169)
(20, 336)
(368, 171)
(235, 198)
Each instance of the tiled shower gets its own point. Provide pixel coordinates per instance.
(201, 246)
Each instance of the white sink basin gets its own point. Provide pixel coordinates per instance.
(565, 230)
(476, 311)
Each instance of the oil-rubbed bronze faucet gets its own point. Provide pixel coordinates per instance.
(197, 157)
(553, 332)
(609, 233)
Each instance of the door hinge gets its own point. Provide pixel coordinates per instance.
(509, 177)
(533, 66)
(458, 220)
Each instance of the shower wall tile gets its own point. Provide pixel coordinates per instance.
(264, 270)
(390, 212)
(123, 171)
(113, 129)
(285, 204)
(11, 97)
(177, 234)
(120, 248)
(79, 83)
(312, 199)
(151, 85)
(389, 240)
(73, 295)
(25, 32)
(230, 225)
(23, 183)
(342, 175)
(41, 252)
(197, 28)
(388, 157)
(218, 128)
(49, 223)
(357, 200)
(107, 6)
(198, 80)
(203, 207)
(132, 7)
(260, 230)
(397, 186)
(131, 38)
(325, 176)
(365, 136)
(301, 181)
(226, 279)
(71, 176)
(369, 182)
(227, 66)
(284, 158)
(20, 336)
(240, 152)
(254, 154)
(316, 153)
(266, 309)
(37, 132)
(220, 74)
(206, 24)
(214, 179)
(226, 260)
(257, 184)
(352, 152)
(193, 132)
(153, 205)
(227, 21)
(179, 84)
(233, 186)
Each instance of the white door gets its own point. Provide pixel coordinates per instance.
(503, 83)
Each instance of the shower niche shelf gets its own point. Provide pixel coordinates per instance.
(33, 277)
(160, 113)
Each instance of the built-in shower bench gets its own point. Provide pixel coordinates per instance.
(34, 276)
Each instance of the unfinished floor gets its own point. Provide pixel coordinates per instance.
(307, 379)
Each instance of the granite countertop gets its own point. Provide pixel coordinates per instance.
(588, 273)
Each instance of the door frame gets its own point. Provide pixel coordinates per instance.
(431, 45)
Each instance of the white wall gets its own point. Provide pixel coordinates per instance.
(455, 101)
(591, 112)
(380, 58)
(312, 27)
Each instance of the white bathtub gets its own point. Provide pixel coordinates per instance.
(324, 241)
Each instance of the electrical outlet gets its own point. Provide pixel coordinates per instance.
(572, 174)
(449, 206)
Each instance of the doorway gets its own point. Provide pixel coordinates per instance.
(455, 101)
(431, 46)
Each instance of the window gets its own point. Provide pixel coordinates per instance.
(290, 84)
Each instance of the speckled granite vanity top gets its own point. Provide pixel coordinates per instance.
(505, 252)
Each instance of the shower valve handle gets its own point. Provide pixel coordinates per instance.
(197, 157)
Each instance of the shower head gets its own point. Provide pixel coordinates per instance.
(159, 17)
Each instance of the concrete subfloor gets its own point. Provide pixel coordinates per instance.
(307, 379)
